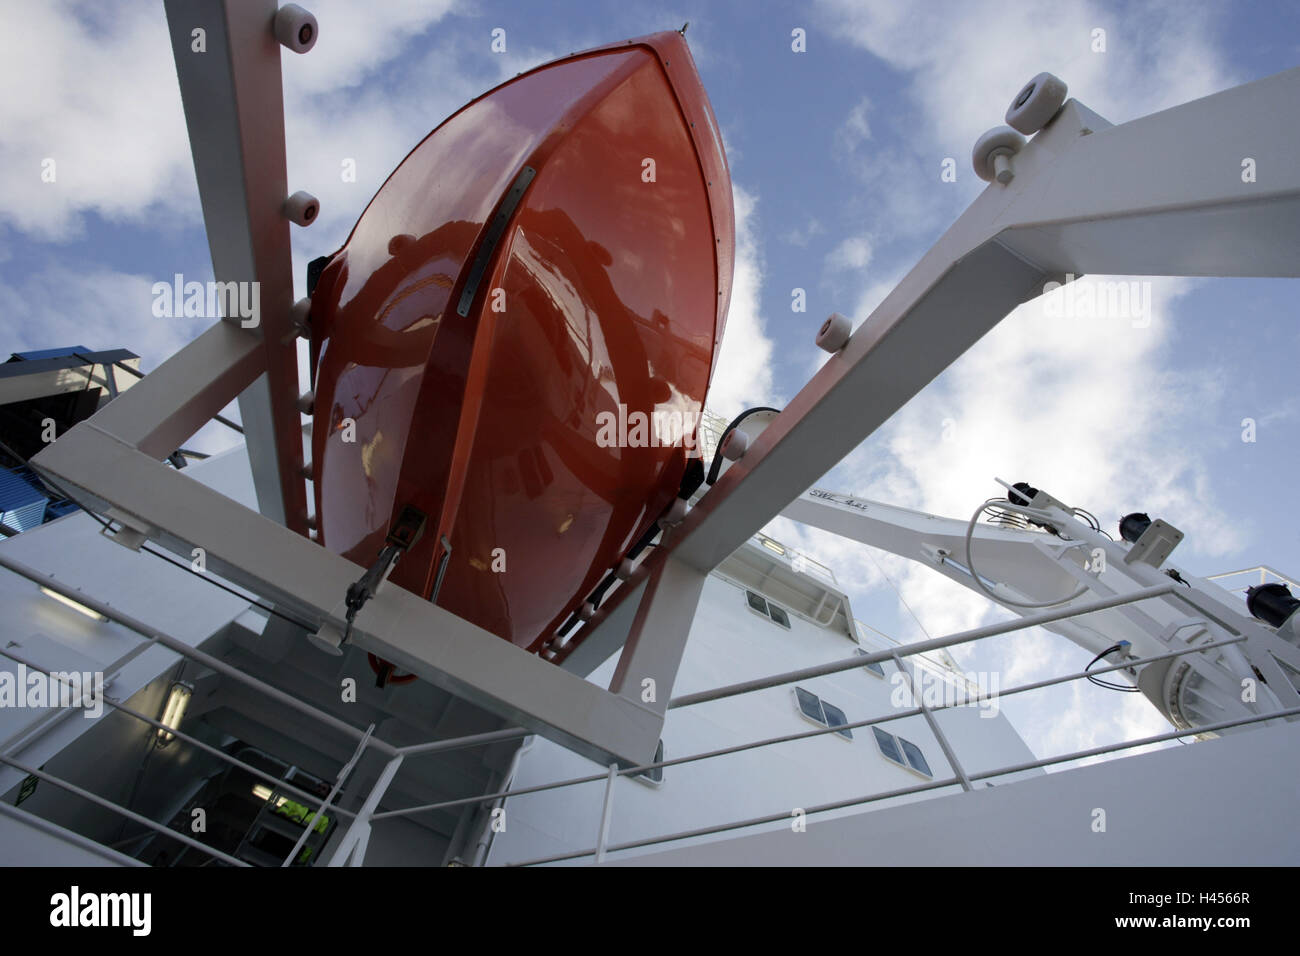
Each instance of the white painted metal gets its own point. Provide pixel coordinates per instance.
(352, 848)
(306, 580)
(234, 109)
(606, 813)
(343, 773)
(1086, 197)
(1196, 806)
(1026, 569)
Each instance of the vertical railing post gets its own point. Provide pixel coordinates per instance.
(354, 841)
(606, 813)
(310, 823)
(934, 727)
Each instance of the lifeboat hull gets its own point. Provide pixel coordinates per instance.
(518, 336)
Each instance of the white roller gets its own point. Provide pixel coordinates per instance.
(992, 154)
(302, 208)
(834, 334)
(675, 514)
(295, 28)
(735, 445)
(1037, 102)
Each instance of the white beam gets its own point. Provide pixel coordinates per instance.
(1165, 190)
(306, 581)
(234, 109)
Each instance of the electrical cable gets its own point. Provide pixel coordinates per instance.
(1107, 684)
(970, 561)
(716, 464)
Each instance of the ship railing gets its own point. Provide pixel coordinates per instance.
(358, 831)
(1240, 581)
(938, 662)
(959, 776)
(350, 850)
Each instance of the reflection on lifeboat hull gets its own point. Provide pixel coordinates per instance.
(550, 263)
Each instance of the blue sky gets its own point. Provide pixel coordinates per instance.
(835, 156)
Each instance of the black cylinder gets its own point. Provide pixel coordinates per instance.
(1027, 492)
(1132, 525)
(1271, 603)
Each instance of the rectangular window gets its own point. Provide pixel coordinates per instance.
(821, 712)
(888, 746)
(810, 704)
(874, 666)
(902, 752)
(760, 605)
(915, 757)
(835, 718)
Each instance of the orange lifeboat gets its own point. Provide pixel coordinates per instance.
(517, 338)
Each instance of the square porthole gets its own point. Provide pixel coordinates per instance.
(778, 616)
(756, 602)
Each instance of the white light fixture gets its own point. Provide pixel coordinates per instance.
(263, 792)
(773, 546)
(177, 700)
(63, 599)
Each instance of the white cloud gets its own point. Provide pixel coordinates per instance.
(1086, 409)
(853, 254)
(743, 375)
(856, 129)
(55, 305)
(100, 98)
(93, 89)
(803, 235)
(970, 57)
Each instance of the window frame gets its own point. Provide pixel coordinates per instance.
(877, 734)
(905, 760)
(904, 743)
(877, 667)
(845, 734)
(751, 596)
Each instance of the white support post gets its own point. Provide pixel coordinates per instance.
(352, 846)
(935, 729)
(234, 108)
(310, 822)
(647, 668)
(606, 813)
(309, 582)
